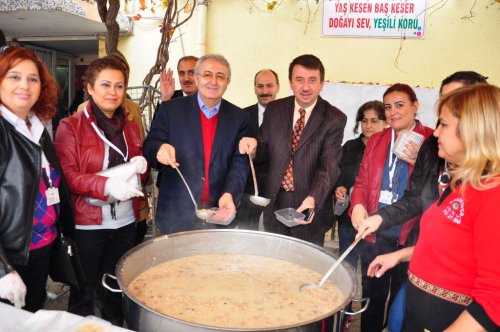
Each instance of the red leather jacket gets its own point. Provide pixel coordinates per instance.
(81, 153)
(369, 180)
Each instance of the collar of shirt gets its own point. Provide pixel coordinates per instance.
(209, 113)
(33, 135)
(308, 110)
(261, 110)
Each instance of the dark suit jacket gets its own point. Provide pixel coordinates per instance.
(315, 159)
(178, 123)
(260, 167)
(177, 94)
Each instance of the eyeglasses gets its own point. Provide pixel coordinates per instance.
(3, 49)
(208, 75)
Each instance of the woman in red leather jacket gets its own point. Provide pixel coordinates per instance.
(87, 143)
(381, 180)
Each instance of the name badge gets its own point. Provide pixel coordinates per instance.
(52, 196)
(387, 197)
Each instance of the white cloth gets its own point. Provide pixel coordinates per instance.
(33, 135)
(261, 109)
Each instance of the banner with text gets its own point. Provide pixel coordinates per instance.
(369, 18)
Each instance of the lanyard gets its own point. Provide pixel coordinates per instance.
(392, 164)
(99, 133)
(46, 177)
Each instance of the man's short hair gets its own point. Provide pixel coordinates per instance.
(260, 71)
(187, 58)
(464, 77)
(217, 57)
(308, 61)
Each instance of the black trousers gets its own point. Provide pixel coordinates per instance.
(34, 275)
(248, 214)
(99, 252)
(378, 289)
(314, 233)
(141, 230)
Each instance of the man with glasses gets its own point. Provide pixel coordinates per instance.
(185, 71)
(199, 134)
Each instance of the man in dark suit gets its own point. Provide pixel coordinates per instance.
(266, 85)
(301, 138)
(185, 71)
(200, 135)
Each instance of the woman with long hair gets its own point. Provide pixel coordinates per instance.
(34, 199)
(458, 289)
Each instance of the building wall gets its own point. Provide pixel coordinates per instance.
(252, 39)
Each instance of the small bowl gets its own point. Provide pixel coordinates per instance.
(290, 217)
(204, 214)
(259, 200)
(221, 217)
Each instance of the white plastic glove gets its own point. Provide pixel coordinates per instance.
(12, 288)
(140, 163)
(120, 189)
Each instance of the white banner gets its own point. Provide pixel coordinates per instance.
(369, 18)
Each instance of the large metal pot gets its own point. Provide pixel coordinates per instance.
(162, 249)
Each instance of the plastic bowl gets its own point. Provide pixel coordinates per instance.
(289, 217)
(221, 217)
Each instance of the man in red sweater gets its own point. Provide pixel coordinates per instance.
(200, 135)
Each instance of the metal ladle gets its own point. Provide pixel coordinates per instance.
(200, 213)
(334, 266)
(256, 199)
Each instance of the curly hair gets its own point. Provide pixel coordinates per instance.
(45, 106)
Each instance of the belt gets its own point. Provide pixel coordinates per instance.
(437, 291)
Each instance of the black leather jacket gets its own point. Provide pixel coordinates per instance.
(420, 194)
(20, 174)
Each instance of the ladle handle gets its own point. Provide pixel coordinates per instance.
(337, 263)
(187, 186)
(253, 175)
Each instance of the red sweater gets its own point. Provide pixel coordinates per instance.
(208, 127)
(459, 247)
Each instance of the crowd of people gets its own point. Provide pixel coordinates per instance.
(429, 203)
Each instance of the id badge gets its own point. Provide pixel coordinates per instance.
(52, 196)
(385, 197)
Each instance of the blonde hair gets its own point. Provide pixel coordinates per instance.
(477, 108)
